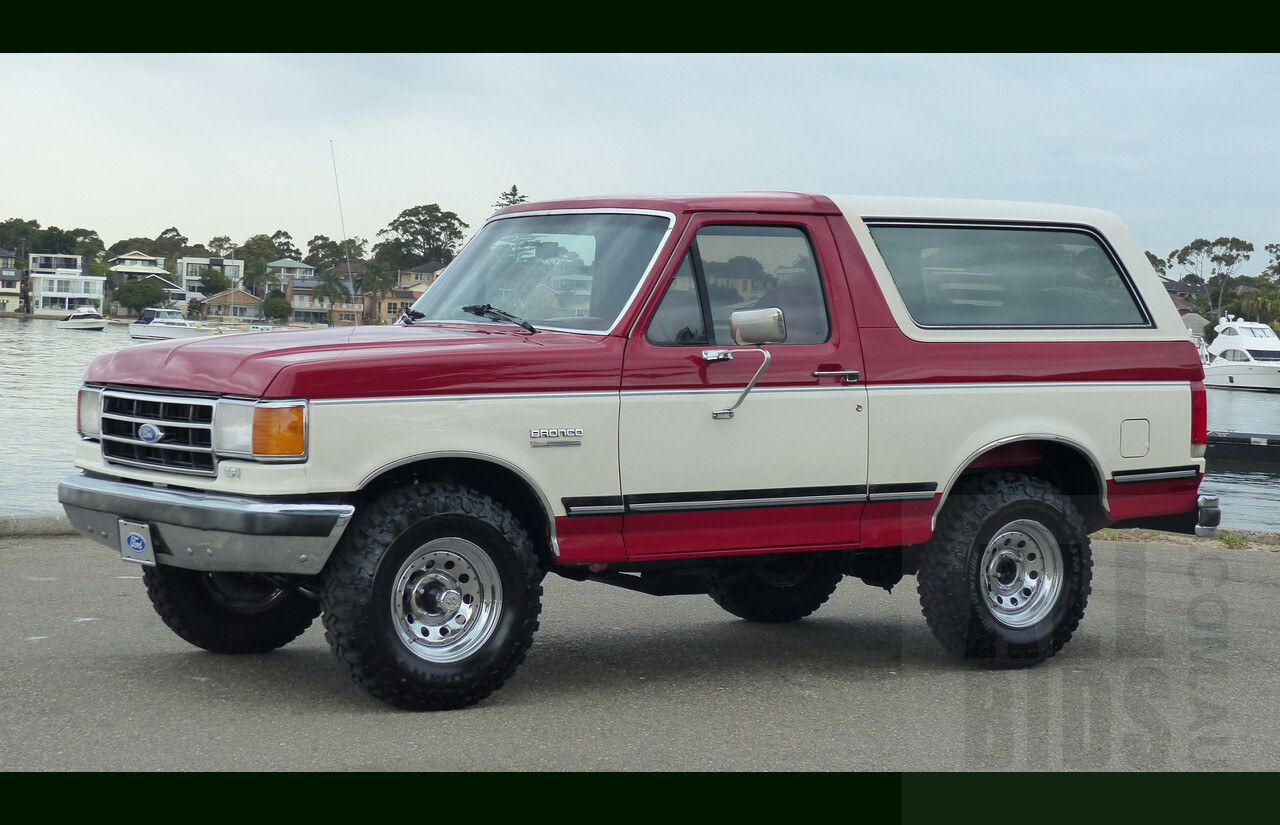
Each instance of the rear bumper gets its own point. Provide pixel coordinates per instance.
(1202, 521)
(206, 531)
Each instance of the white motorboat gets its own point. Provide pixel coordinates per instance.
(160, 323)
(83, 318)
(1244, 355)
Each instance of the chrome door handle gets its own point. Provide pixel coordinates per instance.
(849, 376)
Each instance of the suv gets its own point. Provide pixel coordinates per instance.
(748, 396)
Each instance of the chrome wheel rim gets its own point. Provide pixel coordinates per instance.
(446, 600)
(1020, 574)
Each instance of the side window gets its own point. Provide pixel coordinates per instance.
(982, 276)
(743, 267)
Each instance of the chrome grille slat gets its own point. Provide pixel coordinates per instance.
(186, 424)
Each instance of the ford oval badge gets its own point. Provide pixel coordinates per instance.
(150, 433)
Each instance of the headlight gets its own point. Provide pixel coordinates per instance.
(266, 430)
(89, 412)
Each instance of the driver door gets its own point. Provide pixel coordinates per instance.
(708, 466)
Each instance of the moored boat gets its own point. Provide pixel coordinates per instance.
(1244, 355)
(160, 323)
(83, 318)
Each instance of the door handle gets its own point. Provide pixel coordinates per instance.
(849, 376)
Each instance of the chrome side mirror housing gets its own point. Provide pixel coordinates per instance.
(758, 326)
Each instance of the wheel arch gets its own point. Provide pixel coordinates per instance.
(1063, 462)
(484, 474)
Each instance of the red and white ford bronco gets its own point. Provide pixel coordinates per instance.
(749, 396)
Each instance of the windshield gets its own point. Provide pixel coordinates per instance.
(572, 271)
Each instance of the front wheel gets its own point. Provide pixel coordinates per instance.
(433, 598)
(228, 612)
(1006, 576)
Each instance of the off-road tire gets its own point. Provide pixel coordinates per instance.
(779, 590)
(1006, 576)
(228, 612)
(432, 598)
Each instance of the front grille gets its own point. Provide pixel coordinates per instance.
(159, 432)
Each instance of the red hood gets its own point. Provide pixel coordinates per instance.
(372, 361)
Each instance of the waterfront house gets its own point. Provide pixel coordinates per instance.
(234, 305)
(187, 271)
(424, 273)
(391, 306)
(59, 283)
(307, 309)
(133, 266)
(10, 282)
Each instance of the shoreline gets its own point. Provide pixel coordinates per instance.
(55, 524)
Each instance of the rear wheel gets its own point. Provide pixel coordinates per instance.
(432, 600)
(228, 612)
(780, 590)
(1006, 576)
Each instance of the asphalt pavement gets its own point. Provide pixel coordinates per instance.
(1174, 668)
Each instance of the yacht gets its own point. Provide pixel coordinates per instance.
(1244, 355)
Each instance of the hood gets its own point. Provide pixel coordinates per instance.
(370, 361)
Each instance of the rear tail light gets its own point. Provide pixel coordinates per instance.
(1199, 419)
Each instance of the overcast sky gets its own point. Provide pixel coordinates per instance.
(1181, 146)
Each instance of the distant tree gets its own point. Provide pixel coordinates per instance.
(1160, 265)
(140, 294)
(212, 282)
(256, 277)
(260, 247)
(220, 245)
(276, 307)
(325, 253)
(510, 198)
(1212, 263)
(1272, 271)
(332, 287)
(284, 245)
(378, 279)
(423, 233)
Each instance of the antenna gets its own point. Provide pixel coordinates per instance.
(346, 247)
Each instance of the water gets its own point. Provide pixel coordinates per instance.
(41, 367)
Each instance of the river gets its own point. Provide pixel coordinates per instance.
(41, 367)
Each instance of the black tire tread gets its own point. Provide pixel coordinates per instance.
(352, 634)
(948, 597)
(750, 597)
(184, 604)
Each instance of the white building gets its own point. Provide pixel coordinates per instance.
(188, 271)
(133, 266)
(59, 283)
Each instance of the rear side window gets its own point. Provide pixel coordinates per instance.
(999, 276)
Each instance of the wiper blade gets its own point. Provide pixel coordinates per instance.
(411, 315)
(492, 312)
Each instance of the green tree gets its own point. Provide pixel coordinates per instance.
(1211, 263)
(325, 253)
(284, 245)
(377, 280)
(420, 234)
(276, 307)
(220, 245)
(212, 282)
(256, 277)
(140, 294)
(1272, 271)
(332, 287)
(510, 198)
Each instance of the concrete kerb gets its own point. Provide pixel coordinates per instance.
(35, 525)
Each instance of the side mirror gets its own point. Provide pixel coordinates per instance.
(758, 326)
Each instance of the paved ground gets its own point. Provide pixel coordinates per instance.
(1176, 667)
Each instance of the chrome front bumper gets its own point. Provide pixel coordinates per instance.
(208, 531)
